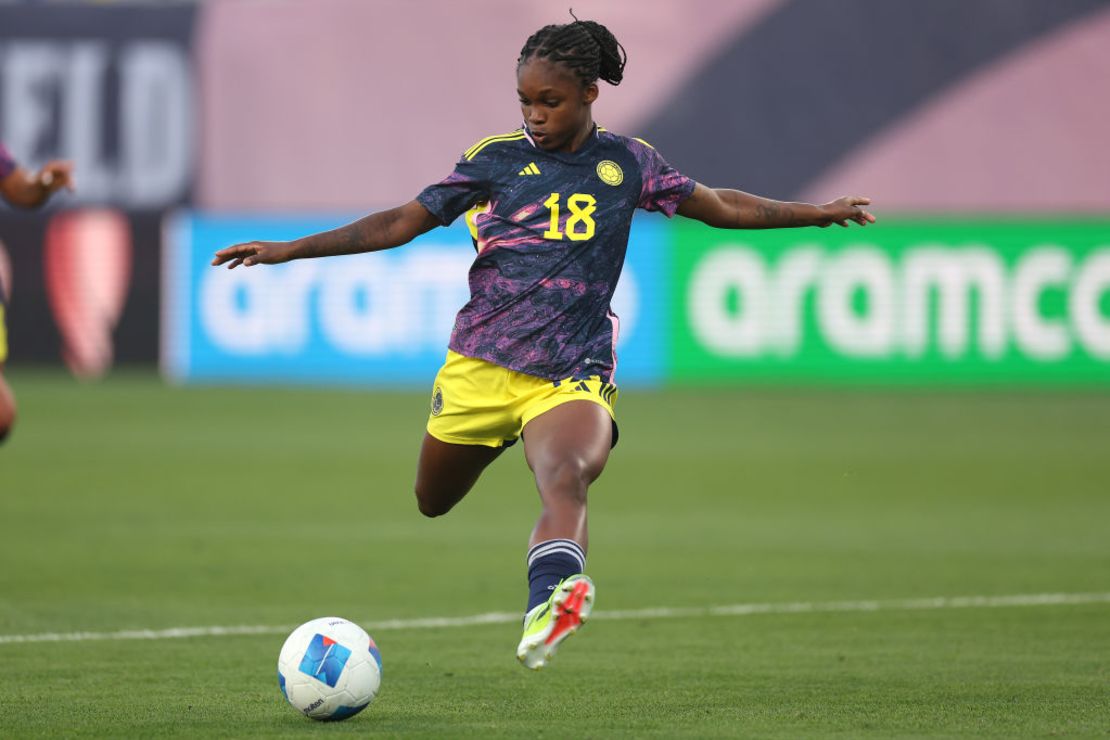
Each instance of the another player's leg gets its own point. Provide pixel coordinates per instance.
(7, 399)
(566, 448)
(7, 408)
(446, 472)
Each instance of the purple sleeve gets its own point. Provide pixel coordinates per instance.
(457, 193)
(7, 163)
(664, 187)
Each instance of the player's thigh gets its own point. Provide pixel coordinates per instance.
(7, 404)
(569, 444)
(446, 472)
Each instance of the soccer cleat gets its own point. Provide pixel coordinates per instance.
(553, 621)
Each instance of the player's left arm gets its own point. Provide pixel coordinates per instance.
(733, 209)
(28, 189)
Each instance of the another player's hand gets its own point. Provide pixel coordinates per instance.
(843, 210)
(252, 253)
(56, 175)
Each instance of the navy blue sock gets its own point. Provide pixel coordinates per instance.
(548, 563)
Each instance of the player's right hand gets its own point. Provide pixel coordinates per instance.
(252, 253)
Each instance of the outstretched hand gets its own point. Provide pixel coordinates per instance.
(843, 210)
(56, 175)
(252, 253)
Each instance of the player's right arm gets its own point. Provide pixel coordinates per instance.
(382, 230)
(27, 189)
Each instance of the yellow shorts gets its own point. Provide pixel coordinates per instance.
(475, 402)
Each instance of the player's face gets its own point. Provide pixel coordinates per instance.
(555, 105)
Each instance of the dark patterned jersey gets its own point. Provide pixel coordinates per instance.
(551, 230)
(7, 162)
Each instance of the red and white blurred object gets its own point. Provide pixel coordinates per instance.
(87, 263)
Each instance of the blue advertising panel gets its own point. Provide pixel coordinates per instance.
(369, 319)
(641, 302)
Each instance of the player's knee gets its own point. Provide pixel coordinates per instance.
(431, 505)
(568, 478)
(7, 421)
(430, 509)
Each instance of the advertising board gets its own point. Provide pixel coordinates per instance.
(914, 301)
(373, 319)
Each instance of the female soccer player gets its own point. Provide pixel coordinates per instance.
(26, 190)
(549, 207)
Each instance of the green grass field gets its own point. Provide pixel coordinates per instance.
(129, 505)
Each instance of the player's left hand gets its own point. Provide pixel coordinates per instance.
(843, 210)
(56, 175)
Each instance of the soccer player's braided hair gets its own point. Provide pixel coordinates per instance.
(587, 48)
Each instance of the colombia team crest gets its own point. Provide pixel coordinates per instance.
(437, 401)
(610, 172)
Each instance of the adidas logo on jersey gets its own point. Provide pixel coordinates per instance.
(531, 169)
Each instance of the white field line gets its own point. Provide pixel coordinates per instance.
(731, 610)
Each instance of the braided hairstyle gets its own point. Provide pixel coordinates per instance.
(587, 48)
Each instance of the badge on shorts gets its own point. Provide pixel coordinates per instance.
(437, 401)
(610, 172)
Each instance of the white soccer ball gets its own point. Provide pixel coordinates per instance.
(329, 669)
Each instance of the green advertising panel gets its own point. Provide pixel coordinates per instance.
(905, 301)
